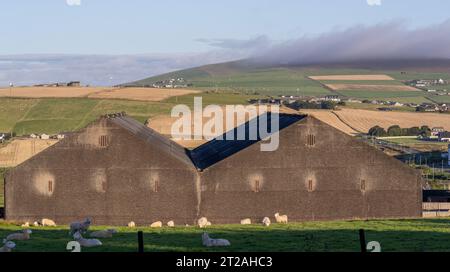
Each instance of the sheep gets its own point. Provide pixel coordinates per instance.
(86, 242)
(208, 242)
(8, 246)
(36, 224)
(103, 233)
(246, 221)
(48, 222)
(80, 226)
(203, 222)
(19, 236)
(171, 224)
(25, 225)
(157, 224)
(131, 224)
(281, 218)
(266, 221)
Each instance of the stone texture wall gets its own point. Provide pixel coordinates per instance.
(109, 174)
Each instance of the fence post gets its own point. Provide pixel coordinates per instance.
(362, 241)
(140, 242)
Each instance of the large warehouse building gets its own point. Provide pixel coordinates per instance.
(117, 170)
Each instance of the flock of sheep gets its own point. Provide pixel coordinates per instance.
(77, 229)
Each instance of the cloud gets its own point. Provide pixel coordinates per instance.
(73, 2)
(383, 41)
(257, 43)
(374, 2)
(101, 70)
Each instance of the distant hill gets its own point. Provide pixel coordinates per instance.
(249, 66)
(256, 77)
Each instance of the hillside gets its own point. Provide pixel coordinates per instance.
(251, 77)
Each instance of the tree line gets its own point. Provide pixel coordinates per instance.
(396, 130)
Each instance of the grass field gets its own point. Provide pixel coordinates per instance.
(420, 145)
(2, 188)
(54, 115)
(414, 235)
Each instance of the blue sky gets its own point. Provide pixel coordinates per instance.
(142, 26)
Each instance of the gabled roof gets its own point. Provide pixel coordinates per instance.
(152, 137)
(211, 152)
(217, 150)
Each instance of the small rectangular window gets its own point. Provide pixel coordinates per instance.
(50, 186)
(311, 140)
(257, 186)
(156, 186)
(363, 185)
(310, 185)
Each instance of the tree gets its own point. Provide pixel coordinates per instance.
(425, 131)
(377, 131)
(394, 131)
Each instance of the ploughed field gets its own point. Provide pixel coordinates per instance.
(412, 235)
(140, 94)
(352, 121)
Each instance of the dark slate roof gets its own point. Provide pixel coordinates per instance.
(153, 137)
(217, 150)
(211, 152)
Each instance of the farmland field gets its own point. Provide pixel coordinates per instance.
(2, 187)
(55, 92)
(370, 88)
(380, 95)
(20, 150)
(419, 144)
(363, 120)
(409, 235)
(353, 121)
(331, 119)
(352, 77)
(140, 94)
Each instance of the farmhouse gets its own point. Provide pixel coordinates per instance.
(117, 170)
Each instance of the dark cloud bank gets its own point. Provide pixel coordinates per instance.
(390, 41)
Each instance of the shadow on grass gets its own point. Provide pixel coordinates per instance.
(255, 239)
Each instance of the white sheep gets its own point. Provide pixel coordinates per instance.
(157, 224)
(246, 221)
(131, 224)
(171, 224)
(48, 222)
(281, 218)
(86, 242)
(19, 236)
(36, 224)
(80, 226)
(209, 242)
(266, 221)
(25, 225)
(103, 233)
(8, 246)
(203, 222)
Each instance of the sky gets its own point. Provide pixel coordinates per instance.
(106, 42)
(168, 26)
